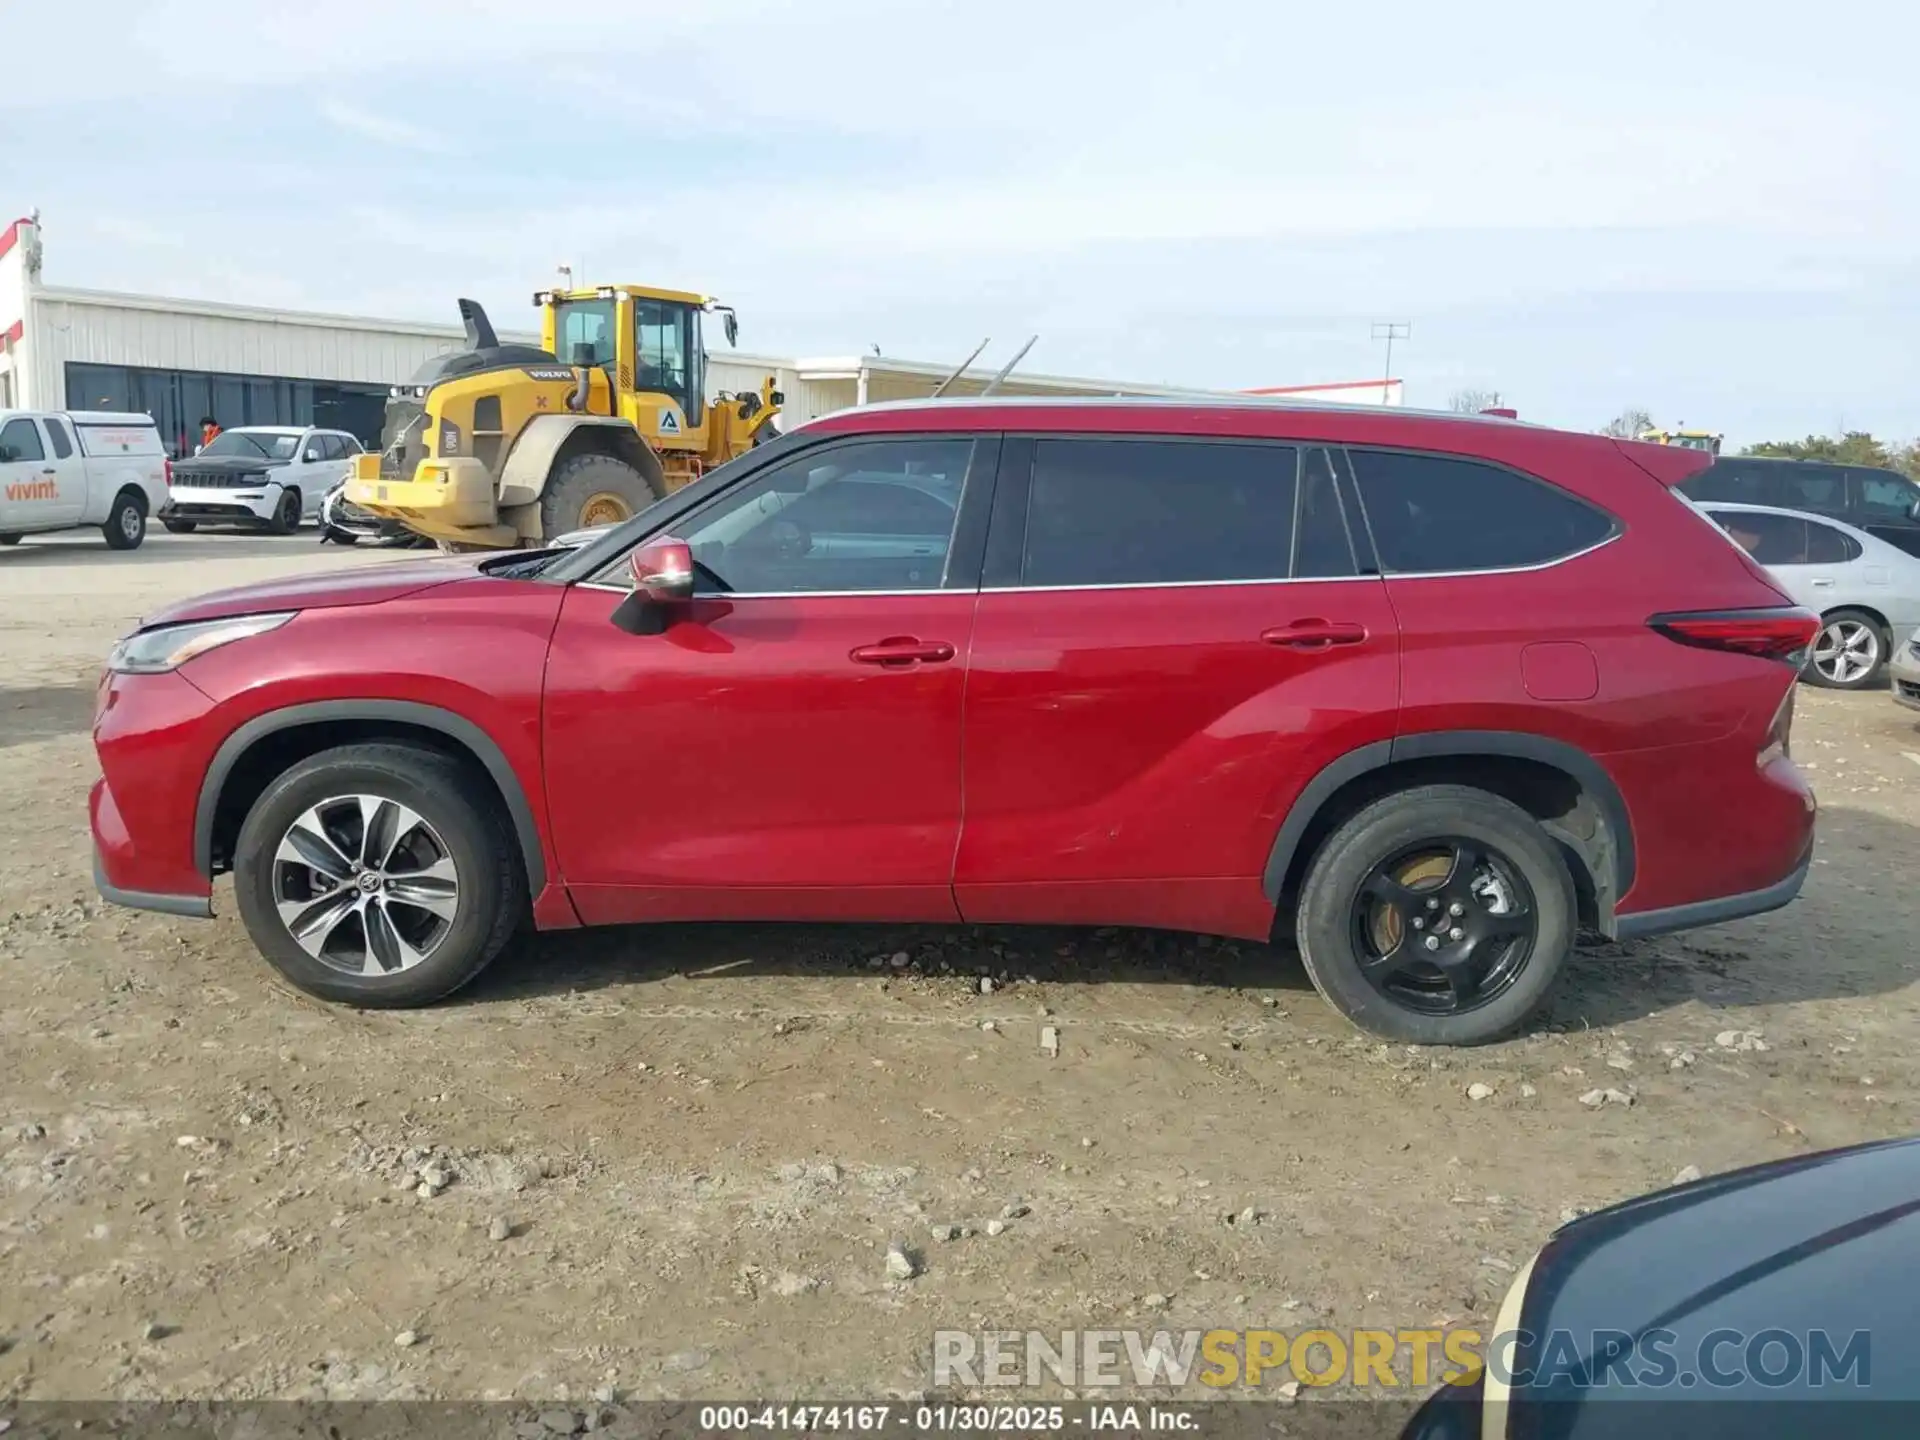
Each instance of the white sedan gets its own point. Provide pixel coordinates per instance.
(1867, 591)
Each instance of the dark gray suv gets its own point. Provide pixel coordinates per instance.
(1884, 503)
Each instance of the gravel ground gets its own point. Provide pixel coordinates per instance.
(672, 1160)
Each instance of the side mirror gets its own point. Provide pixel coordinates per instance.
(312, 455)
(662, 570)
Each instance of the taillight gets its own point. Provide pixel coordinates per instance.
(166, 467)
(1772, 634)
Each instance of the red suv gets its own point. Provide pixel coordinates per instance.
(1432, 694)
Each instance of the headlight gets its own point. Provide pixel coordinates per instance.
(153, 652)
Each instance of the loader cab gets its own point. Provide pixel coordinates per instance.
(648, 342)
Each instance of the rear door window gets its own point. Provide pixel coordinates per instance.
(1821, 488)
(1443, 514)
(1828, 546)
(62, 442)
(1161, 512)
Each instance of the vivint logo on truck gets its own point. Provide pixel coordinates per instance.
(33, 490)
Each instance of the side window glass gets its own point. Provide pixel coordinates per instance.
(1885, 497)
(20, 440)
(864, 516)
(1732, 480)
(1828, 546)
(331, 448)
(1323, 542)
(1814, 487)
(1438, 514)
(57, 433)
(1158, 512)
(1769, 539)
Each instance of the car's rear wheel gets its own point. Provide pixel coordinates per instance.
(126, 523)
(370, 874)
(1849, 652)
(286, 515)
(1440, 916)
(9, 539)
(179, 527)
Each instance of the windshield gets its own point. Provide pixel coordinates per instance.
(583, 332)
(253, 445)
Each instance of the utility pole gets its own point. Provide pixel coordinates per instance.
(1390, 331)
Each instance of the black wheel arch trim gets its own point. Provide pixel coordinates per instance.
(1429, 744)
(407, 712)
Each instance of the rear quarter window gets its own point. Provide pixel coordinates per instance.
(1442, 514)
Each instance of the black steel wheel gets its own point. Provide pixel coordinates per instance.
(1440, 915)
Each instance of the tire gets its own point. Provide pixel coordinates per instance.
(577, 483)
(1850, 651)
(488, 900)
(126, 523)
(1332, 924)
(9, 539)
(179, 527)
(286, 514)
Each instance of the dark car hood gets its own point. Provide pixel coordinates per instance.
(1820, 1242)
(364, 585)
(226, 465)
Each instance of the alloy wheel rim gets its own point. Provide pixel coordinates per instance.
(365, 885)
(1444, 926)
(1846, 651)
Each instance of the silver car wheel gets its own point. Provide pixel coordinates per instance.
(132, 522)
(365, 885)
(1846, 652)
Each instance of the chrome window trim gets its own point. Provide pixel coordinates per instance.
(1127, 585)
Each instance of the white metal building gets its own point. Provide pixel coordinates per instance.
(181, 360)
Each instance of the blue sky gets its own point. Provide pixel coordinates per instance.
(1706, 209)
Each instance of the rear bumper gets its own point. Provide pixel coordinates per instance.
(1714, 912)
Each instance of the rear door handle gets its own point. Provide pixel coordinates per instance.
(898, 651)
(1315, 634)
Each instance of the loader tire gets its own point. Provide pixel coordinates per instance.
(592, 489)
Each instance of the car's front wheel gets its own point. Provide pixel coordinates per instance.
(371, 874)
(286, 515)
(1440, 916)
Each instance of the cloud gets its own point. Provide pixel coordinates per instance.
(380, 128)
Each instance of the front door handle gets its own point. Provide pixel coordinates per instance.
(1315, 634)
(899, 651)
(49, 471)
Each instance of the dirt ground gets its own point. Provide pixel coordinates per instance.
(700, 1140)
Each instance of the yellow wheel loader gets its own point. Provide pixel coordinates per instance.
(1707, 440)
(497, 446)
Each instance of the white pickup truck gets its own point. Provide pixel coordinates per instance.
(72, 470)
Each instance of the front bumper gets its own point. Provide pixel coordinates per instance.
(247, 503)
(151, 735)
(1903, 673)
